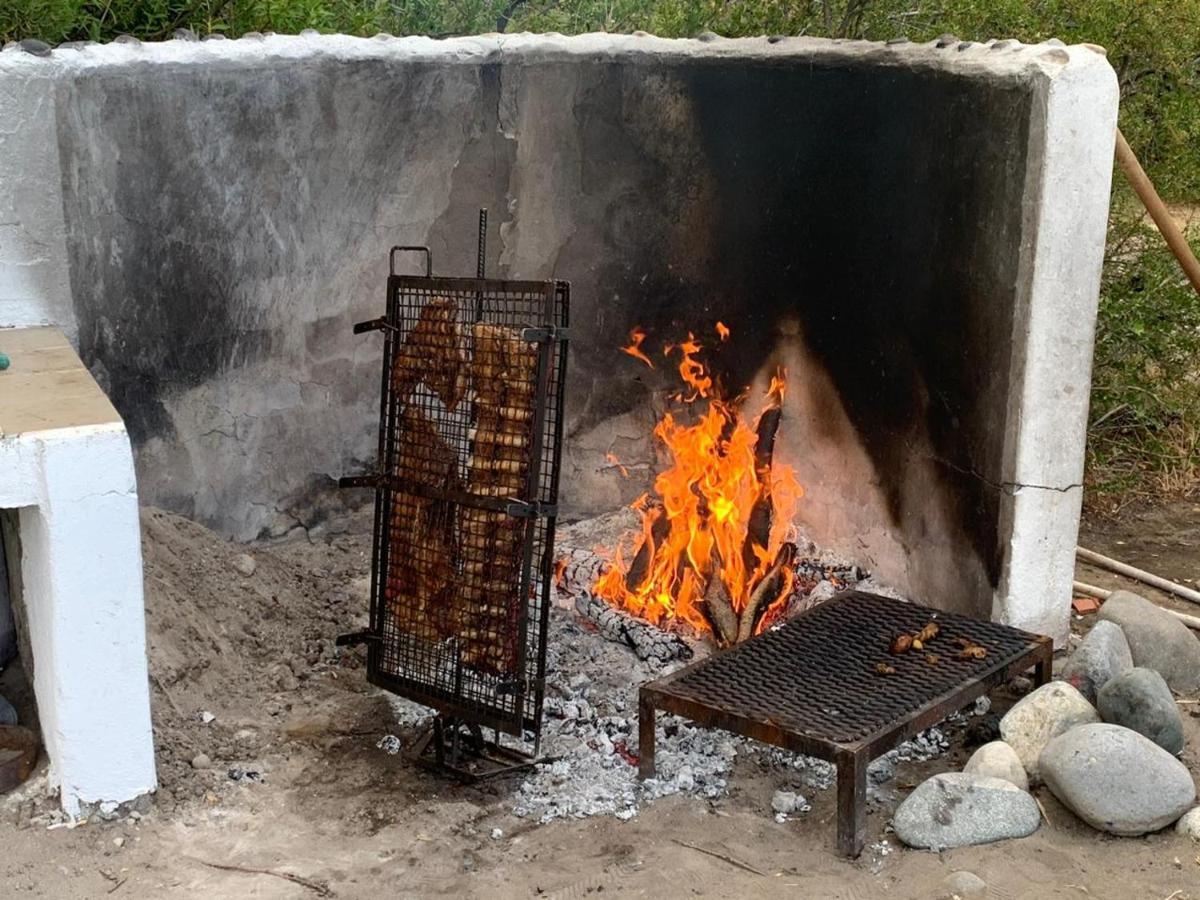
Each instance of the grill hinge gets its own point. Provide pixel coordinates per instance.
(547, 333)
(519, 509)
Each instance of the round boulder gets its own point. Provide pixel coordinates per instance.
(958, 809)
(1040, 716)
(1103, 655)
(1141, 700)
(1189, 824)
(1116, 780)
(998, 760)
(1157, 639)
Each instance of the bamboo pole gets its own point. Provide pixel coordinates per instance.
(1144, 188)
(1101, 594)
(1112, 565)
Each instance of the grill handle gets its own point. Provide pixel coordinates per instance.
(410, 249)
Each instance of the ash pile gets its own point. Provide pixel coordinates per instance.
(597, 657)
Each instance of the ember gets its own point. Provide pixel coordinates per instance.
(713, 549)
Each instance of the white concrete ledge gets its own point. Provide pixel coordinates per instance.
(67, 468)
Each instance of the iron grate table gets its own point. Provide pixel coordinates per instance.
(812, 687)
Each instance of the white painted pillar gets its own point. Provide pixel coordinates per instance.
(67, 466)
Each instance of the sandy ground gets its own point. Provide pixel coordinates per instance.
(299, 787)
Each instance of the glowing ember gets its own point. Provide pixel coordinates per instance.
(714, 530)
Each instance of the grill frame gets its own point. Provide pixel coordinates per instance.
(533, 314)
(852, 615)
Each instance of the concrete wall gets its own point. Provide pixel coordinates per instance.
(915, 230)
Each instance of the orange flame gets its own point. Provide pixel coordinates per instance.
(694, 527)
(611, 459)
(635, 343)
(722, 332)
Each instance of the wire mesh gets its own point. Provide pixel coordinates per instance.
(472, 423)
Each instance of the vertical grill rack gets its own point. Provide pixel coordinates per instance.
(465, 501)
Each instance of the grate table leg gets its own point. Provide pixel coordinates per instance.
(852, 803)
(645, 738)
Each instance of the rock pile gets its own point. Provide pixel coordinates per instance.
(1105, 741)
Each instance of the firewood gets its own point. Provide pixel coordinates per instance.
(758, 528)
(718, 605)
(766, 591)
(645, 640)
(660, 528)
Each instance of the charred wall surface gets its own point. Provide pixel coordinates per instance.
(856, 213)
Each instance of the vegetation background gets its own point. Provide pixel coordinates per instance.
(1144, 436)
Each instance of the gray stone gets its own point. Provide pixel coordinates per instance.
(787, 802)
(1157, 639)
(1044, 714)
(1116, 780)
(8, 715)
(957, 809)
(946, 40)
(201, 761)
(184, 34)
(36, 47)
(1140, 699)
(245, 564)
(998, 760)
(126, 39)
(1189, 824)
(964, 884)
(1103, 655)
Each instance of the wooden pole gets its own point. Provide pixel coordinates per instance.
(1112, 565)
(1158, 211)
(1101, 594)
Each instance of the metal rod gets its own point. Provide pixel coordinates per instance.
(1144, 188)
(1101, 594)
(1113, 565)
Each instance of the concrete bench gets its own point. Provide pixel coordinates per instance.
(75, 564)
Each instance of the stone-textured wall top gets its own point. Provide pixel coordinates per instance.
(1002, 57)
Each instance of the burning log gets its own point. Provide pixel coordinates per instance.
(648, 642)
(758, 528)
(660, 527)
(718, 606)
(767, 591)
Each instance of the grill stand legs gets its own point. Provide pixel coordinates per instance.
(852, 803)
(645, 738)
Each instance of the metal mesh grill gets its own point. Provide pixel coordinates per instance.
(816, 675)
(471, 425)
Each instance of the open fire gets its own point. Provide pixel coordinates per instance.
(713, 550)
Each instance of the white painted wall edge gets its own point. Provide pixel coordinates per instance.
(1054, 340)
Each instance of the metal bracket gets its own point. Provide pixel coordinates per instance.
(520, 509)
(546, 333)
(380, 324)
(361, 481)
(357, 637)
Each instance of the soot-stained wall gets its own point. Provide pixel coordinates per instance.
(861, 215)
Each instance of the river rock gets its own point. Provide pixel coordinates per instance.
(1140, 699)
(1116, 780)
(957, 809)
(1103, 655)
(1156, 639)
(964, 884)
(998, 760)
(1037, 718)
(1189, 824)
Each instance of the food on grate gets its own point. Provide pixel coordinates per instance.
(932, 658)
(901, 643)
(973, 652)
(434, 352)
(420, 569)
(929, 632)
(503, 372)
(884, 669)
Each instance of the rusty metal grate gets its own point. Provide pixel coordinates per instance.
(470, 434)
(812, 686)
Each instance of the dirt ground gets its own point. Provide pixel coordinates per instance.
(299, 790)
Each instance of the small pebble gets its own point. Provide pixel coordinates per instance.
(497, 833)
(245, 564)
(206, 717)
(201, 761)
(119, 841)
